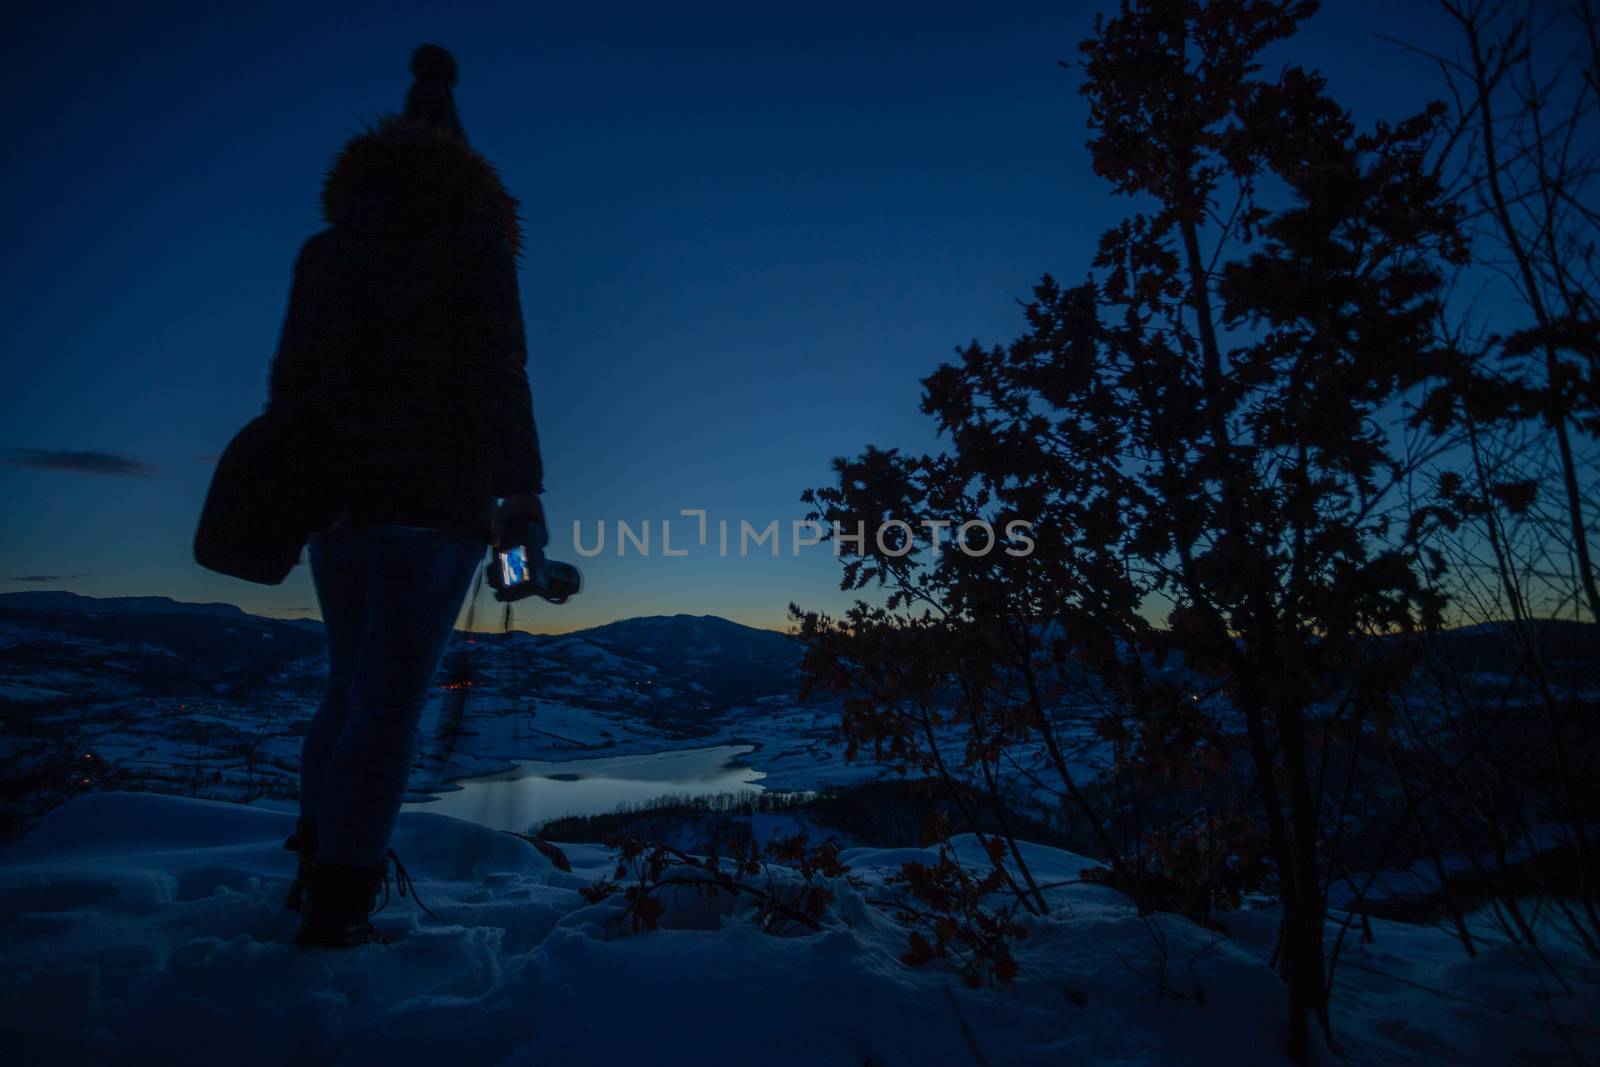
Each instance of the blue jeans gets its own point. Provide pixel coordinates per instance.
(389, 599)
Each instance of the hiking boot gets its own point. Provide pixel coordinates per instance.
(339, 903)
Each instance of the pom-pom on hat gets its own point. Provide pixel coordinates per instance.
(430, 100)
(430, 63)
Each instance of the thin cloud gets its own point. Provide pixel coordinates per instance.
(108, 463)
(46, 577)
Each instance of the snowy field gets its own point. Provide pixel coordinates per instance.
(146, 928)
(137, 928)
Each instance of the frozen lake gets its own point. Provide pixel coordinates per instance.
(536, 791)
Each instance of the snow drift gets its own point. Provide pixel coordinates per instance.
(143, 928)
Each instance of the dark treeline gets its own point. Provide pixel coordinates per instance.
(1277, 449)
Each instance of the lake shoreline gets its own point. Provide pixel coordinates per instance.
(525, 793)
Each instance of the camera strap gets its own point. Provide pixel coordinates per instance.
(460, 673)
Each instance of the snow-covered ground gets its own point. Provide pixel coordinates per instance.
(138, 928)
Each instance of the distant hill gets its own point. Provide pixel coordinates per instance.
(729, 660)
(662, 667)
(658, 665)
(150, 646)
(61, 600)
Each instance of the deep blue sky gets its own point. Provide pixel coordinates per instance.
(751, 230)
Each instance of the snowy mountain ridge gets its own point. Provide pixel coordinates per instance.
(700, 663)
(48, 600)
(206, 700)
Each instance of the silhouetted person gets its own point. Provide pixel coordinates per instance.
(404, 325)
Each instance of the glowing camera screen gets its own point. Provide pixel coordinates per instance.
(514, 567)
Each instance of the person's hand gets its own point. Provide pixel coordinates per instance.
(516, 513)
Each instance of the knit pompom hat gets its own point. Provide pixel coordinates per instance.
(430, 100)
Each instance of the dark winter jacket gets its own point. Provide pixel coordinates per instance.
(404, 331)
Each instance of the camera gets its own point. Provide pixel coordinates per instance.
(523, 570)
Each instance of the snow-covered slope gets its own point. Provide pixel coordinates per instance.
(138, 928)
(146, 693)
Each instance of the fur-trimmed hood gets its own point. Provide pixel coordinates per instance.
(401, 170)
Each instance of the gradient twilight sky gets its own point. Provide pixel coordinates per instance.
(751, 230)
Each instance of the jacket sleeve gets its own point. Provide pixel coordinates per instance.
(499, 348)
(296, 371)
